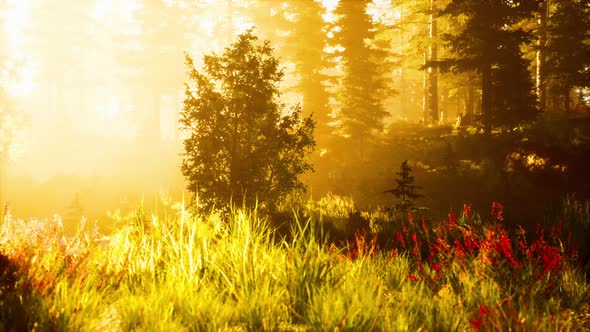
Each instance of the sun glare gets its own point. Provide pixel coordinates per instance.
(102, 9)
(18, 71)
(330, 5)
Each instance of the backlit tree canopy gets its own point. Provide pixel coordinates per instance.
(241, 147)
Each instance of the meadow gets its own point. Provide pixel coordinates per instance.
(310, 266)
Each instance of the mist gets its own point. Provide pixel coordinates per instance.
(94, 89)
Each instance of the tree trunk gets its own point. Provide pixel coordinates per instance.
(541, 88)
(486, 96)
(432, 71)
(425, 99)
(402, 78)
(566, 99)
(470, 105)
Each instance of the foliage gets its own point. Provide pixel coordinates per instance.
(305, 47)
(568, 47)
(490, 43)
(405, 190)
(466, 272)
(240, 147)
(361, 112)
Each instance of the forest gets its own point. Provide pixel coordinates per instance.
(295, 165)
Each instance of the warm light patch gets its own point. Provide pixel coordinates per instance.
(330, 6)
(207, 25)
(381, 11)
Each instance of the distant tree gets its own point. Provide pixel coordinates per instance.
(513, 89)
(433, 72)
(567, 48)
(363, 87)
(305, 44)
(490, 44)
(241, 147)
(74, 211)
(152, 59)
(405, 190)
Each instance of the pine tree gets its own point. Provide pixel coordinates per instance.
(490, 44)
(405, 190)
(363, 87)
(568, 49)
(305, 45)
(154, 68)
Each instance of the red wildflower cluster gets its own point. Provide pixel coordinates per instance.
(547, 259)
(452, 243)
(452, 220)
(497, 211)
(482, 313)
(362, 245)
(467, 211)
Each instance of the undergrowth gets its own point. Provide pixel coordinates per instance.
(323, 266)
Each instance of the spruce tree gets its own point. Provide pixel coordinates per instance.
(405, 190)
(490, 44)
(305, 46)
(567, 49)
(362, 85)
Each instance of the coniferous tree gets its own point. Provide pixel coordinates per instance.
(305, 44)
(567, 49)
(490, 44)
(405, 190)
(241, 147)
(153, 59)
(362, 86)
(513, 94)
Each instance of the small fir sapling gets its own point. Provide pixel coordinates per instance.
(405, 190)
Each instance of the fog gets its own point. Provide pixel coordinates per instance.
(92, 89)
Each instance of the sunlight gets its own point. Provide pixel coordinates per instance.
(381, 11)
(102, 8)
(241, 24)
(116, 12)
(207, 24)
(18, 72)
(330, 6)
(20, 80)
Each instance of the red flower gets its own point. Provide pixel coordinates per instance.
(452, 220)
(467, 211)
(412, 277)
(497, 211)
(400, 239)
(476, 323)
(483, 310)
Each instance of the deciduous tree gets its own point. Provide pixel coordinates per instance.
(241, 146)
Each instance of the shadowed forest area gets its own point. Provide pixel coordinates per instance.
(296, 165)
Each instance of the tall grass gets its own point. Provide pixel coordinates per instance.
(197, 271)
